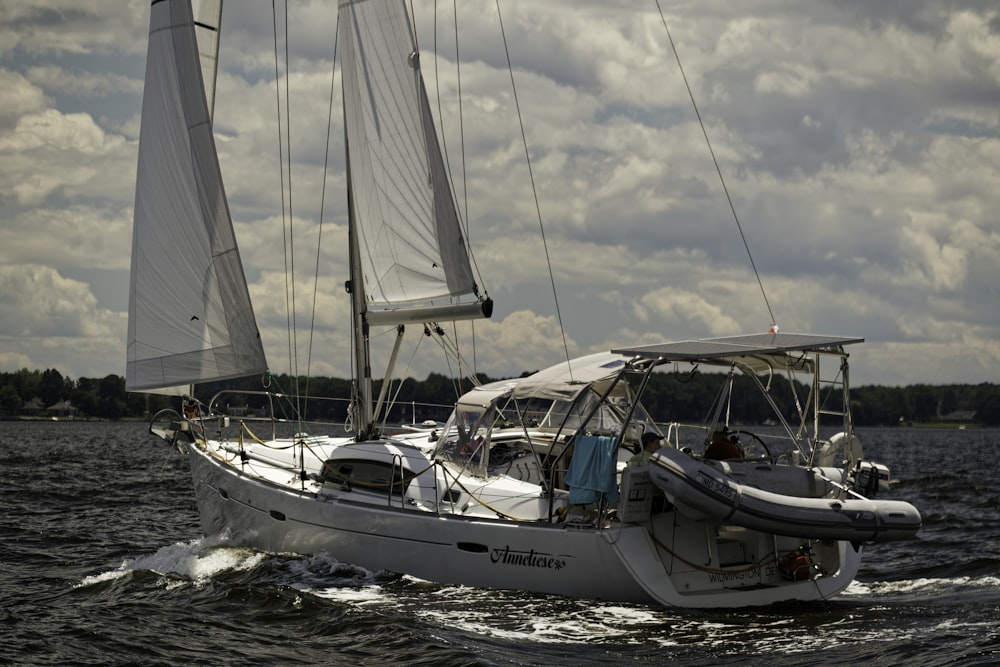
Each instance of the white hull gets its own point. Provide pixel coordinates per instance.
(621, 562)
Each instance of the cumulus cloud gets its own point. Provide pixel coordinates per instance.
(860, 146)
(82, 83)
(40, 302)
(50, 152)
(20, 97)
(73, 27)
(54, 322)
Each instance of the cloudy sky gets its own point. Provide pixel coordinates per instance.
(860, 142)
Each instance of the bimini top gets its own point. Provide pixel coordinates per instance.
(758, 351)
(562, 382)
(755, 352)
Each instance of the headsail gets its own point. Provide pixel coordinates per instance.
(410, 242)
(190, 316)
(207, 22)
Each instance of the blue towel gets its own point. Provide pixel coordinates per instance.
(592, 470)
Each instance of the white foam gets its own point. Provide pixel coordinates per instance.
(481, 612)
(324, 576)
(928, 585)
(198, 561)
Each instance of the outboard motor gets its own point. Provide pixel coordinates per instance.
(868, 478)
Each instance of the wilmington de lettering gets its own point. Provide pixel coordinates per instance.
(726, 577)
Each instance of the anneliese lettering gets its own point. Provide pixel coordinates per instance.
(506, 556)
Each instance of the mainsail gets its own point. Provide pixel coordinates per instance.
(190, 316)
(406, 242)
(410, 242)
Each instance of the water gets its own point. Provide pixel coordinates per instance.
(102, 564)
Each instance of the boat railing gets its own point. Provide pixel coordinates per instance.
(277, 409)
(773, 439)
(673, 429)
(398, 472)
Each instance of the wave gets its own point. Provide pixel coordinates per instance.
(925, 586)
(326, 577)
(198, 561)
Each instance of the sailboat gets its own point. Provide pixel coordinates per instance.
(535, 484)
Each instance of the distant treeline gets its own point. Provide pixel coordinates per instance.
(670, 397)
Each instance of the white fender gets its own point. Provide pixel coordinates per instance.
(827, 454)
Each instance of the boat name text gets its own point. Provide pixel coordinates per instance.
(740, 576)
(532, 558)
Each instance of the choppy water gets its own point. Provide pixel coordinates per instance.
(101, 563)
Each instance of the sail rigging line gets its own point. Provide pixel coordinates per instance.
(288, 234)
(718, 169)
(465, 181)
(322, 208)
(450, 349)
(402, 378)
(464, 219)
(438, 335)
(463, 211)
(290, 278)
(534, 191)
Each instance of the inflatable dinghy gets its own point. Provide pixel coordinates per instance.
(703, 492)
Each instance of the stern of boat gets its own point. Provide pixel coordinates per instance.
(683, 562)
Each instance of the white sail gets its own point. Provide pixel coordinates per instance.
(190, 316)
(410, 241)
(207, 22)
